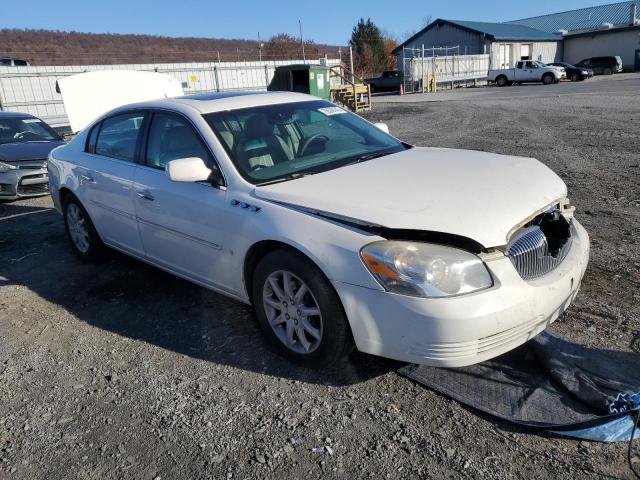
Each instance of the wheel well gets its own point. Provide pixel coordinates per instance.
(256, 253)
(63, 193)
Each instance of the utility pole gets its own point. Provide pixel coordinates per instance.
(304, 58)
(259, 47)
(351, 61)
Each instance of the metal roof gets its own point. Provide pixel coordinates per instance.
(493, 31)
(580, 19)
(506, 31)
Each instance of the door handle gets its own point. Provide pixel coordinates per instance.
(145, 196)
(87, 179)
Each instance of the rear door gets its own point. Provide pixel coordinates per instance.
(183, 225)
(107, 177)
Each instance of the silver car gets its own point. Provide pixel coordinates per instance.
(25, 143)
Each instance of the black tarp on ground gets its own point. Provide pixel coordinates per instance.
(548, 383)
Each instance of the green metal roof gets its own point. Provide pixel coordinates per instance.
(580, 19)
(506, 31)
(493, 31)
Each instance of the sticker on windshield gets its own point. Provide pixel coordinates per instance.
(331, 110)
(30, 120)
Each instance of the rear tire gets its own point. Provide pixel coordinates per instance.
(299, 311)
(502, 81)
(82, 235)
(548, 78)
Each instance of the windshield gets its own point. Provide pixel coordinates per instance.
(279, 142)
(24, 130)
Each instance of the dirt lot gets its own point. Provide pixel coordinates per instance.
(118, 370)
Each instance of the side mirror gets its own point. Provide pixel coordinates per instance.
(382, 126)
(190, 169)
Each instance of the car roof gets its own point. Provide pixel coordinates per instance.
(5, 114)
(216, 102)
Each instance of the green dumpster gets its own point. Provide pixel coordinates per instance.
(310, 79)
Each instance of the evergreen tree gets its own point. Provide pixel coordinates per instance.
(369, 52)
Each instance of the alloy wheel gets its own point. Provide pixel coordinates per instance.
(78, 228)
(292, 312)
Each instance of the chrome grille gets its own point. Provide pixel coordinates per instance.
(529, 252)
(31, 164)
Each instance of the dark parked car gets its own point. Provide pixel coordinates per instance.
(13, 62)
(25, 143)
(390, 80)
(575, 74)
(602, 65)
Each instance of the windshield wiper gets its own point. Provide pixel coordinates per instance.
(291, 176)
(367, 156)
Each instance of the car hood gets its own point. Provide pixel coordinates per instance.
(13, 152)
(477, 195)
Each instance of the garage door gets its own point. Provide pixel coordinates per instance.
(525, 52)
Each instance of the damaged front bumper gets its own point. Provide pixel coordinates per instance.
(467, 329)
(23, 182)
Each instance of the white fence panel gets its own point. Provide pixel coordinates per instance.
(33, 89)
(447, 69)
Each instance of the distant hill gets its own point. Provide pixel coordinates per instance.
(48, 47)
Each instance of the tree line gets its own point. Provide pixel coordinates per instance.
(370, 45)
(53, 47)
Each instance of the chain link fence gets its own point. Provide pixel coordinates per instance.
(33, 89)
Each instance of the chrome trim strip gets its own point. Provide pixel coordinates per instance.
(113, 210)
(201, 241)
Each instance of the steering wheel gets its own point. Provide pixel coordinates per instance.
(25, 135)
(309, 141)
(257, 167)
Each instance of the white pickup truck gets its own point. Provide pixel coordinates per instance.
(526, 71)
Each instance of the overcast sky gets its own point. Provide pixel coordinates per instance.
(326, 21)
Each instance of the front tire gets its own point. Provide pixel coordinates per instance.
(607, 71)
(548, 78)
(82, 235)
(575, 77)
(299, 311)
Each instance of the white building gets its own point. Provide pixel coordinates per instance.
(506, 44)
(603, 30)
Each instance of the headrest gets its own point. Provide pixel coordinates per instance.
(257, 126)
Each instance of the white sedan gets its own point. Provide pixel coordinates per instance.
(336, 232)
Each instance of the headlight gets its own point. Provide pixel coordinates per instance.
(5, 167)
(425, 270)
(584, 72)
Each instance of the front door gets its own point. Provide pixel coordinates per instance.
(504, 55)
(106, 180)
(528, 73)
(182, 225)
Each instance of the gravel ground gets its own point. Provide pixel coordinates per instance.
(118, 370)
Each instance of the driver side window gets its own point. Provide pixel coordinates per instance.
(171, 138)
